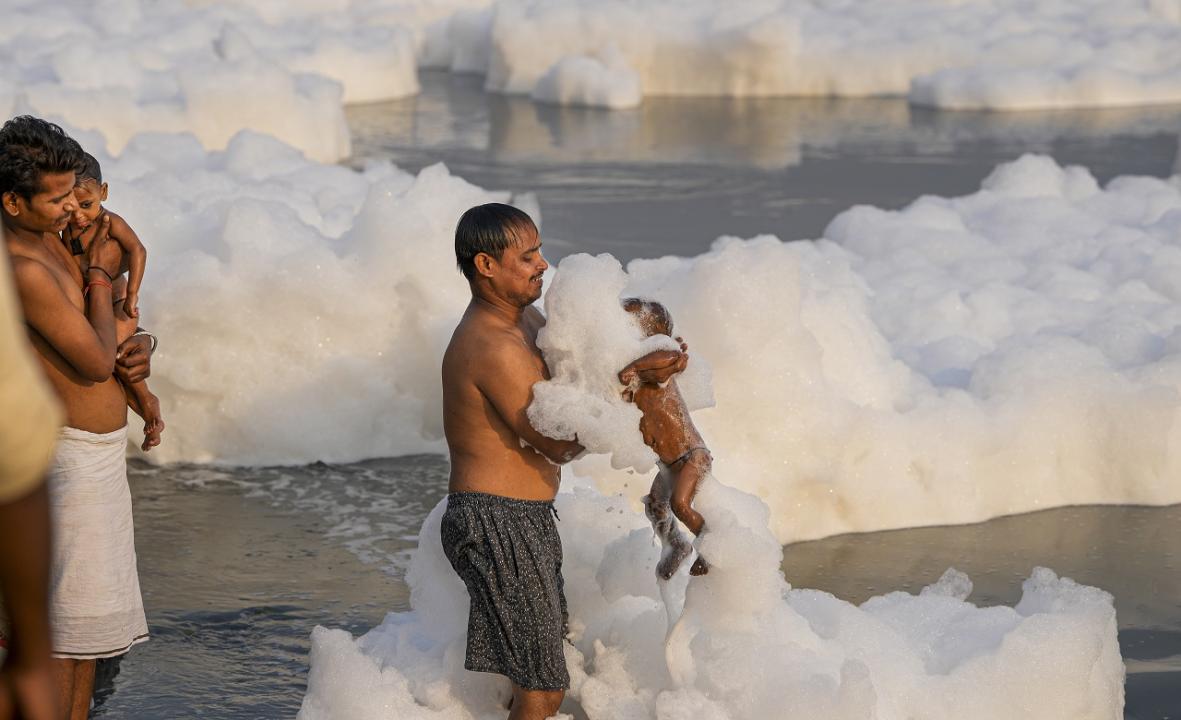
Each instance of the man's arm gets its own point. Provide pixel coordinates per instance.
(509, 374)
(87, 342)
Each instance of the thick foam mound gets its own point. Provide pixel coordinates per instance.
(1000, 54)
(957, 360)
(745, 646)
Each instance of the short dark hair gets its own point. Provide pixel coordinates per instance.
(31, 147)
(653, 317)
(89, 170)
(488, 229)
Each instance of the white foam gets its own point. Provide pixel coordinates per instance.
(588, 338)
(960, 359)
(1000, 54)
(747, 646)
(215, 67)
(302, 307)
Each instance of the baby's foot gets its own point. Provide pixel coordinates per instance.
(700, 567)
(152, 432)
(676, 549)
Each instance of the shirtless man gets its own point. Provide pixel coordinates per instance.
(498, 530)
(96, 610)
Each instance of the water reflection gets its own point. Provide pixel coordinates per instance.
(671, 176)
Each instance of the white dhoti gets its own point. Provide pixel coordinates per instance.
(95, 606)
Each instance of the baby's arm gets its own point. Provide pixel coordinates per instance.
(135, 255)
(655, 368)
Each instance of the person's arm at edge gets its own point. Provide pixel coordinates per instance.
(31, 417)
(25, 678)
(510, 390)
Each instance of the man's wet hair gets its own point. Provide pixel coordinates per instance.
(488, 229)
(89, 170)
(31, 147)
(653, 317)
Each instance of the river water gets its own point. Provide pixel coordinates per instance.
(239, 564)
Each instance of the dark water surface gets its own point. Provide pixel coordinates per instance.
(239, 565)
(673, 175)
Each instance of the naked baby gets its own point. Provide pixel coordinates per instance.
(667, 428)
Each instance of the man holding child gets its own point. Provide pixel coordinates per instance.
(95, 606)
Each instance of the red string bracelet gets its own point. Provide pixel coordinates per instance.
(92, 283)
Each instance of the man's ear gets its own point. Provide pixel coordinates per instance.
(483, 263)
(9, 201)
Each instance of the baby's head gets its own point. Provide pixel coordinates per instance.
(90, 191)
(654, 318)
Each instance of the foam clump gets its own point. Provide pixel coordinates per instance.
(588, 338)
(211, 68)
(746, 645)
(587, 80)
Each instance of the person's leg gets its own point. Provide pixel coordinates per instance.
(685, 485)
(83, 689)
(535, 704)
(675, 545)
(63, 683)
(685, 482)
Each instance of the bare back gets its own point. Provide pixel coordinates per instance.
(489, 370)
(98, 407)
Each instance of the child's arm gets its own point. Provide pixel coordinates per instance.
(135, 255)
(656, 367)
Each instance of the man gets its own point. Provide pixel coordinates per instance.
(29, 419)
(95, 608)
(498, 530)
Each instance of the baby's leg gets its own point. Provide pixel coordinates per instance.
(676, 547)
(684, 487)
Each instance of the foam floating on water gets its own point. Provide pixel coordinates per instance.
(746, 646)
(956, 360)
(215, 67)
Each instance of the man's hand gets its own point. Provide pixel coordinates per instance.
(104, 252)
(133, 361)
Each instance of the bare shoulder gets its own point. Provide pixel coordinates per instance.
(122, 232)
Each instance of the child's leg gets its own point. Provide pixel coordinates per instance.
(675, 546)
(684, 488)
(139, 398)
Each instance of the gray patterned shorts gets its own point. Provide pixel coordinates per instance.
(508, 554)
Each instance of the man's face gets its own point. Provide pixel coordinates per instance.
(520, 269)
(90, 196)
(50, 208)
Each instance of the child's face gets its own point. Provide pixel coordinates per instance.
(90, 196)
